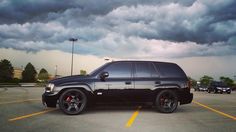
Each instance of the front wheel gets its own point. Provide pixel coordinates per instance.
(73, 101)
(166, 101)
(215, 91)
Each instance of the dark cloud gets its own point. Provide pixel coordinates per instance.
(18, 11)
(15, 11)
(121, 27)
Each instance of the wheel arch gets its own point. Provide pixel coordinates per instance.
(173, 87)
(83, 87)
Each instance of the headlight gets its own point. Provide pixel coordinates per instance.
(49, 87)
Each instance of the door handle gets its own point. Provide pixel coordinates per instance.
(127, 83)
(158, 82)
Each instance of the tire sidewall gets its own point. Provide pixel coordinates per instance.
(82, 107)
(157, 102)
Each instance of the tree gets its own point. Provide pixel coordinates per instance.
(29, 73)
(83, 72)
(43, 75)
(206, 80)
(6, 71)
(228, 81)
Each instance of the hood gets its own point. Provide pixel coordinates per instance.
(70, 79)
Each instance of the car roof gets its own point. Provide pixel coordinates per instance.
(142, 61)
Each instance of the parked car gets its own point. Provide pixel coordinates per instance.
(201, 88)
(218, 87)
(164, 84)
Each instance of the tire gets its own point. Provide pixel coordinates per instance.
(166, 101)
(215, 91)
(229, 92)
(209, 91)
(73, 101)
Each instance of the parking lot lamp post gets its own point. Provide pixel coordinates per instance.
(72, 52)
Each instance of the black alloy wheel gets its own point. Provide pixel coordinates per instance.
(166, 101)
(73, 101)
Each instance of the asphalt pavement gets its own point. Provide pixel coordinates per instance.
(21, 110)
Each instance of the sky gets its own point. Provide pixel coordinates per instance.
(198, 35)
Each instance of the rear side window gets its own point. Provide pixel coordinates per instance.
(119, 70)
(170, 70)
(145, 69)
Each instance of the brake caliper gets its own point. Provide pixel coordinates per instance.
(68, 99)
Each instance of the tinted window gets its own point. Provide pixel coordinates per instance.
(120, 69)
(170, 70)
(145, 69)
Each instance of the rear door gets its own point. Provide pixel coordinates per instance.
(146, 79)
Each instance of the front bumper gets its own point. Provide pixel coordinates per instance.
(223, 90)
(203, 89)
(49, 99)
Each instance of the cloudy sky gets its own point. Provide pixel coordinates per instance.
(199, 35)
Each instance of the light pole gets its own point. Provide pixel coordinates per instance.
(73, 41)
(55, 71)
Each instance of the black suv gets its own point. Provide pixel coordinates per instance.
(164, 84)
(218, 87)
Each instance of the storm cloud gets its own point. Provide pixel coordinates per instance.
(121, 28)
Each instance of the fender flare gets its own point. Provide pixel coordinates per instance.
(59, 89)
(166, 86)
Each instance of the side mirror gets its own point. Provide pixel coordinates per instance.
(104, 75)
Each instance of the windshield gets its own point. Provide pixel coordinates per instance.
(98, 69)
(220, 84)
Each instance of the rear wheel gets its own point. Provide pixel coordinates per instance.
(166, 101)
(73, 101)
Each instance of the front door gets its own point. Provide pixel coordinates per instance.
(119, 84)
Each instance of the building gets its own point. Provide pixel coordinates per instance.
(17, 73)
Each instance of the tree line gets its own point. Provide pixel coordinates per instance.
(29, 74)
(206, 80)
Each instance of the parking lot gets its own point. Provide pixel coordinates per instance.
(21, 110)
